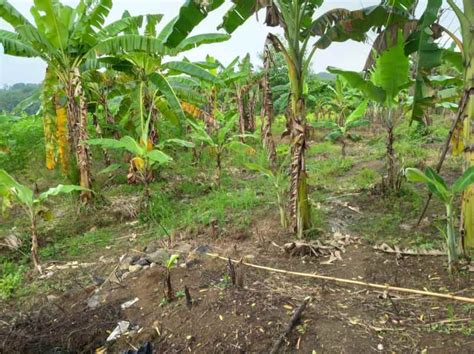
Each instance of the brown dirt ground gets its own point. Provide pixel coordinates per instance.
(231, 319)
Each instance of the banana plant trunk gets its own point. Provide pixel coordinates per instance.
(468, 196)
(299, 203)
(34, 245)
(267, 112)
(78, 135)
(451, 239)
(242, 112)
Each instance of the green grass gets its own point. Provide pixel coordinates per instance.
(11, 276)
(76, 246)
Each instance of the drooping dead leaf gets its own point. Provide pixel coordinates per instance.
(408, 251)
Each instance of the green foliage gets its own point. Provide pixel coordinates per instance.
(12, 96)
(11, 277)
(21, 143)
(437, 185)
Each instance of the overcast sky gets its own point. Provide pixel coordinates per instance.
(249, 38)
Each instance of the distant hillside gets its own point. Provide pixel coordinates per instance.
(326, 76)
(11, 96)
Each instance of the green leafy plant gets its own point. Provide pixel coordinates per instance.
(146, 156)
(340, 131)
(277, 179)
(11, 277)
(387, 80)
(168, 289)
(12, 191)
(445, 194)
(221, 140)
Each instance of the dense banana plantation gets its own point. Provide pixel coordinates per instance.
(301, 196)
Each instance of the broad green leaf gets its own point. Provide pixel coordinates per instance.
(437, 185)
(415, 175)
(200, 39)
(358, 113)
(163, 85)
(240, 147)
(125, 44)
(334, 135)
(60, 189)
(158, 156)
(126, 142)
(239, 13)
(464, 181)
(190, 15)
(112, 168)
(22, 193)
(12, 15)
(229, 124)
(325, 124)
(391, 71)
(179, 142)
(190, 69)
(428, 57)
(355, 80)
(14, 45)
(261, 169)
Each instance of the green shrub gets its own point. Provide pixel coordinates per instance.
(11, 277)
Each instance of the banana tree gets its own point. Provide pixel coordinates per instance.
(296, 17)
(65, 38)
(386, 82)
(341, 132)
(466, 19)
(220, 141)
(146, 156)
(446, 195)
(12, 191)
(277, 178)
(431, 56)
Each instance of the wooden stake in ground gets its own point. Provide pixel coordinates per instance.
(385, 287)
(293, 322)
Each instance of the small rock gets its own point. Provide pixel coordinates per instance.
(152, 264)
(125, 275)
(202, 249)
(93, 302)
(159, 256)
(153, 246)
(98, 280)
(134, 268)
(146, 267)
(143, 262)
(184, 248)
(52, 298)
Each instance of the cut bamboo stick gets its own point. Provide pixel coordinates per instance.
(385, 287)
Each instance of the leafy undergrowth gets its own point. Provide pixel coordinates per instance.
(239, 219)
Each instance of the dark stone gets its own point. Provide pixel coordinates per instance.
(202, 249)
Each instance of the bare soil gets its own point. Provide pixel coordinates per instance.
(236, 319)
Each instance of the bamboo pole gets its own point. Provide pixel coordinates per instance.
(385, 287)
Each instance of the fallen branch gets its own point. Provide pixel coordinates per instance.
(385, 287)
(293, 322)
(408, 252)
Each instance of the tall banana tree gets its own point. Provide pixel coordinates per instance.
(466, 19)
(430, 56)
(297, 18)
(65, 38)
